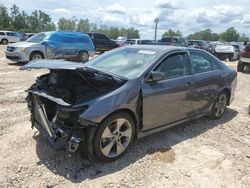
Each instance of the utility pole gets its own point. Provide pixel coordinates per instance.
(156, 21)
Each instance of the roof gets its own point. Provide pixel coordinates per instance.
(195, 40)
(158, 48)
(6, 31)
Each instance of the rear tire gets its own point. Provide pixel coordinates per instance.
(240, 66)
(219, 106)
(4, 41)
(114, 137)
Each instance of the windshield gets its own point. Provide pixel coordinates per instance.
(37, 38)
(125, 62)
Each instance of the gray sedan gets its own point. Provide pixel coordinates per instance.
(127, 93)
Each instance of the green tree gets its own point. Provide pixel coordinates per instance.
(16, 18)
(206, 34)
(231, 34)
(114, 32)
(4, 18)
(171, 33)
(133, 33)
(93, 27)
(67, 24)
(243, 38)
(83, 25)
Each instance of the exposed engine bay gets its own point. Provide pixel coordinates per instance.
(58, 98)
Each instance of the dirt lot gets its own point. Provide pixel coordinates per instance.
(202, 153)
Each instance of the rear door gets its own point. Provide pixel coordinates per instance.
(207, 81)
(166, 101)
(62, 45)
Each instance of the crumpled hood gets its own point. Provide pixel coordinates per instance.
(52, 64)
(24, 44)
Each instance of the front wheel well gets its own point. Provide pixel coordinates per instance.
(128, 111)
(36, 51)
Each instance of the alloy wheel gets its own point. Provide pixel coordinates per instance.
(220, 105)
(36, 56)
(84, 57)
(116, 138)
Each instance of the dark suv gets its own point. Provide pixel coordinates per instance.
(101, 42)
(173, 41)
(244, 59)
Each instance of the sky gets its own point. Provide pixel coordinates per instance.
(188, 16)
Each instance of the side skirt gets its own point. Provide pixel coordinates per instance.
(142, 134)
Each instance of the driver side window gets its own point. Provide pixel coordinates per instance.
(174, 66)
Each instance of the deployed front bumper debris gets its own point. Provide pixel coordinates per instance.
(58, 135)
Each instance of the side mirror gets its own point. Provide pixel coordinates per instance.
(155, 76)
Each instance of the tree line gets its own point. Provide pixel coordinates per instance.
(231, 34)
(16, 20)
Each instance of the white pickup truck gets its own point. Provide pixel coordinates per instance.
(9, 37)
(226, 51)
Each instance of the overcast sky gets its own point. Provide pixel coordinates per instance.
(187, 16)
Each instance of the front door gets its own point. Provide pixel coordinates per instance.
(166, 101)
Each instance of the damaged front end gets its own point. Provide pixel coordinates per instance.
(57, 123)
(57, 100)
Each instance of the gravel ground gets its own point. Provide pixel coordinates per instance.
(202, 153)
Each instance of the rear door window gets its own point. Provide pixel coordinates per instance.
(202, 63)
(10, 33)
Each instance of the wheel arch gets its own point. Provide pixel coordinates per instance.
(228, 93)
(36, 51)
(128, 111)
(4, 39)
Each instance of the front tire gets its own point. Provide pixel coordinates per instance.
(219, 106)
(114, 137)
(36, 55)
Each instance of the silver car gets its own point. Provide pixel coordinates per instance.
(52, 45)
